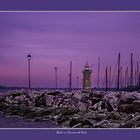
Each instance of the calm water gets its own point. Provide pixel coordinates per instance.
(19, 122)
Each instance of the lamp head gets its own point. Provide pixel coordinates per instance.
(29, 56)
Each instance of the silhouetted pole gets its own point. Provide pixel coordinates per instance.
(106, 79)
(137, 72)
(139, 81)
(118, 79)
(77, 81)
(121, 78)
(110, 77)
(55, 77)
(126, 78)
(98, 82)
(127, 75)
(135, 78)
(29, 80)
(131, 71)
(70, 76)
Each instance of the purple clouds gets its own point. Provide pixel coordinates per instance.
(55, 38)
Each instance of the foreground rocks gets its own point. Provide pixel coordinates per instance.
(75, 109)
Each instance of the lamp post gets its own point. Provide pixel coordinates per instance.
(77, 81)
(55, 77)
(29, 80)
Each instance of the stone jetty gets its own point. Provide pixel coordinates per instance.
(75, 109)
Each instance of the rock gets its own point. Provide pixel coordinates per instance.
(50, 101)
(126, 117)
(106, 124)
(129, 108)
(127, 98)
(66, 124)
(75, 120)
(61, 119)
(40, 101)
(109, 106)
(23, 110)
(54, 93)
(82, 106)
(31, 115)
(44, 112)
(87, 126)
(131, 121)
(79, 125)
(95, 100)
(98, 106)
(68, 110)
(78, 96)
(56, 111)
(100, 116)
(98, 94)
(16, 94)
(3, 106)
(88, 122)
(113, 115)
(2, 98)
(90, 115)
(85, 98)
(136, 105)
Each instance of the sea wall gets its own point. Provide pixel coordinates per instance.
(76, 109)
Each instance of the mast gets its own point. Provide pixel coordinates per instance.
(110, 77)
(118, 78)
(70, 76)
(55, 77)
(106, 81)
(98, 82)
(126, 78)
(135, 78)
(131, 71)
(139, 81)
(121, 79)
(137, 72)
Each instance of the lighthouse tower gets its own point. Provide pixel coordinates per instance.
(87, 77)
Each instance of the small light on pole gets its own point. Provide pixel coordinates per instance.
(55, 77)
(29, 80)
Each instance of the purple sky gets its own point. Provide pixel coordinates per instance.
(55, 38)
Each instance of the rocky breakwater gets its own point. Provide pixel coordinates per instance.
(75, 109)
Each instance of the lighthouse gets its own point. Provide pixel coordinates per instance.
(87, 77)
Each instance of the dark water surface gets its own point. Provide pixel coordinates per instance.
(19, 122)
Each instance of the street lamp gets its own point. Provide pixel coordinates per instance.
(55, 77)
(77, 81)
(29, 59)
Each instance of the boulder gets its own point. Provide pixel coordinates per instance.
(113, 115)
(68, 110)
(98, 106)
(54, 93)
(136, 105)
(85, 99)
(66, 124)
(106, 124)
(40, 101)
(2, 98)
(126, 108)
(62, 118)
(79, 125)
(75, 120)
